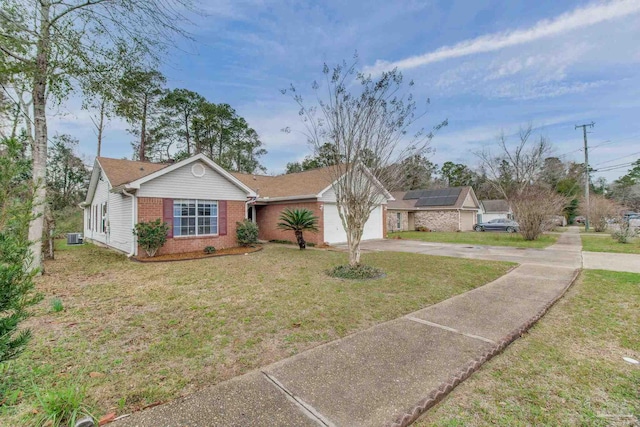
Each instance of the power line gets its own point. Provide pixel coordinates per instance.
(618, 158)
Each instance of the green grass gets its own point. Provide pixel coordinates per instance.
(56, 305)
(567, 371)
(132, 333)
(478, 238)
(68, 220)
(606, 243)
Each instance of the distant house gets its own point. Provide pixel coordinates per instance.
(446, 209)
(494, 209)
(202, 203)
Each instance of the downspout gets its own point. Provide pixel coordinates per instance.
(133, 222)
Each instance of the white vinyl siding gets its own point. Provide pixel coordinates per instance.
(120, 226)
(100, 198)
(182, 184)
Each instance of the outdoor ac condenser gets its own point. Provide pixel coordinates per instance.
(74, 238)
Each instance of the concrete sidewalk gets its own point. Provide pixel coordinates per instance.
(388, 374)
(629, 263)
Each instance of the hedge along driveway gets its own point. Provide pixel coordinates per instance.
(153, 332)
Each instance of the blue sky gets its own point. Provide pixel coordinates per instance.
(487, 67)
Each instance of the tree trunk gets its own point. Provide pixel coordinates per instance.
(187, 135)
(354, 251)
(143, 132)
(39, 148)
(100, 127)
(300, 239)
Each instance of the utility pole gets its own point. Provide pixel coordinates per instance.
(586, 172)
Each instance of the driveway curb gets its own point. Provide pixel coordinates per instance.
(447, 386)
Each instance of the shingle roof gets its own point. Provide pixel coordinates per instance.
(410, 204)
(500, 205)
(122, 171)
(308, 183)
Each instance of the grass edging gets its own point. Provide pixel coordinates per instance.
(447, 387)
(213, 255)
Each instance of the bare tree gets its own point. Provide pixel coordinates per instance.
(369, 120)
(53, 45)
(516, 167)
(600, 211)
(534, 208)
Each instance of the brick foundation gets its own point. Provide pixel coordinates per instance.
(268, 218)
(150, 208)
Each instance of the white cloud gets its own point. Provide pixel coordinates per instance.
(570, 21)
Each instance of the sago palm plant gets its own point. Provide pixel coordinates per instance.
(298, 221)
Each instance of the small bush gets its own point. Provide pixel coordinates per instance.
(56, 305)
(422, 228)
(152, 235)
(624, 233)
(246, 233)
(359, 272)
(63, 406)
(209, 250)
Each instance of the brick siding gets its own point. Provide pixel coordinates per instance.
(150, 208)
(268, 218)
(444, 220)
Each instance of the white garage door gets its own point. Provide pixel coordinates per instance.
(334, 232)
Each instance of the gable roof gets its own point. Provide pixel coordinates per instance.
(308, 184)
(499, 205)
(122, 171)
(301, 184)
(434, 199)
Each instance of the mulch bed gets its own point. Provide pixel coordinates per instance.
(200, 254)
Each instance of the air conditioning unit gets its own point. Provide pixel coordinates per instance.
(74, 238)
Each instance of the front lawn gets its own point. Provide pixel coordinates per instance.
(567, 371)
(478, 238)
(130, 334)
(606, 243)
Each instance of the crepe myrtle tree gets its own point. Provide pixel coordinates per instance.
(55, 47)
(375, 125)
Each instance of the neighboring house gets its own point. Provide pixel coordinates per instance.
(202, 203)
(494, 209)
(446, 209)
(199, 200)
(311, 190)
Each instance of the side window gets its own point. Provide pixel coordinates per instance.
(399, 220)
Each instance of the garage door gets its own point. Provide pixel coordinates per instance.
(334, 232)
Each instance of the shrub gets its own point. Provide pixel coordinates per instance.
(246, 233)
(16, 281)
(600, 211)
(422, 228)
(357, 272)
(56, 305)
(209, 250)
(624, 232)
(152, 235)
(534, 207)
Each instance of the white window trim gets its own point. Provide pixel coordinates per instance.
(191, 236)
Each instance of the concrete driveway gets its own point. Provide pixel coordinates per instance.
(565, 253)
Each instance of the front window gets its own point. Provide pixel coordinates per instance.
(398, 220)
(195, 217)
